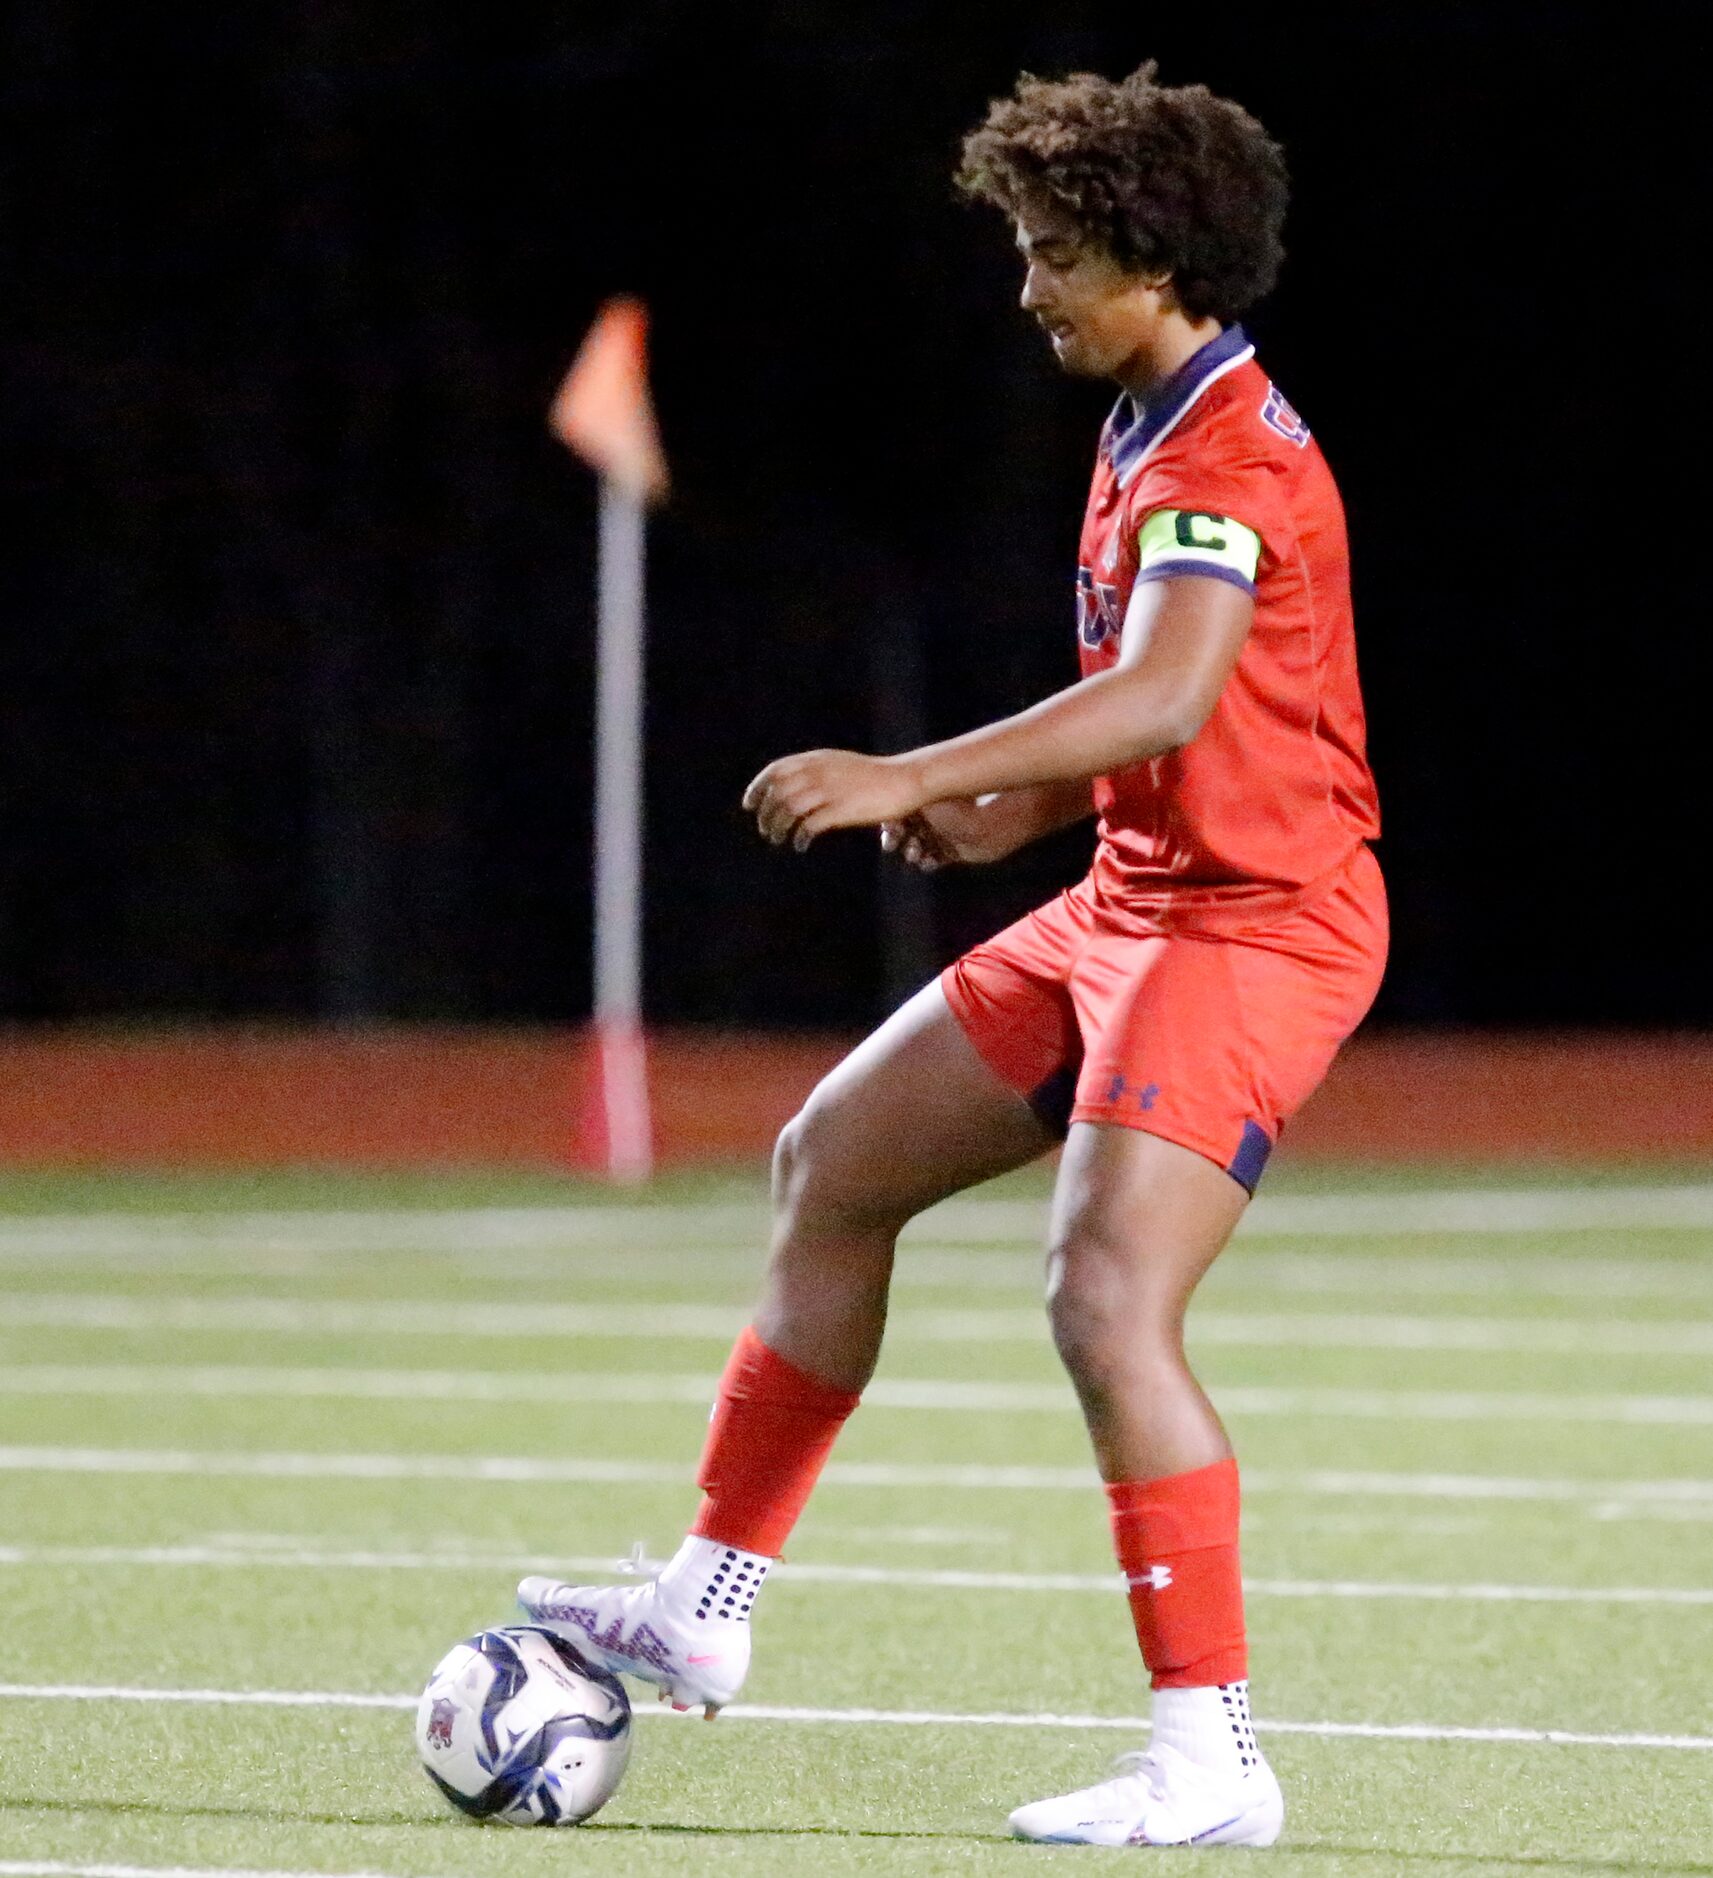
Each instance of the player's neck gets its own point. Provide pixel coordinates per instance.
(1169, 343)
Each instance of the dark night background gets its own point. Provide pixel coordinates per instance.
(296, 699)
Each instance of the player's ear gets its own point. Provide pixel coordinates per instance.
(1160, 282)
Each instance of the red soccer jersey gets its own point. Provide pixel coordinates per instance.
(1274, 792)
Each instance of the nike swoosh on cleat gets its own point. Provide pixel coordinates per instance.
(703, 1659)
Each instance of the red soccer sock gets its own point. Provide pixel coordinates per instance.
(774, 1426)
(1176, 1541)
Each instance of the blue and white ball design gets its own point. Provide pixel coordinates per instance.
(514, 1726)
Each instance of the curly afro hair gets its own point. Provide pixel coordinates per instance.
(1167, 179)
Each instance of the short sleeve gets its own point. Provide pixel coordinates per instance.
(1174, 542)
(1236, 495)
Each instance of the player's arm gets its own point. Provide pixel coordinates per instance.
(1182, 637)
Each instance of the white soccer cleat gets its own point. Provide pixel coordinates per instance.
(624, 1630)
(1157, 1797)
(686, 1633)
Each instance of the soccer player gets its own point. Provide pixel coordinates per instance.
(1163, 1017)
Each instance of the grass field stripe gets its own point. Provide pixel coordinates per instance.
(925, 1266)
(540, 1320)
(59, 1868)
(869, 1717)
(908, 1577)
(1447, 1210)
(530, 1469)
(930, 1396)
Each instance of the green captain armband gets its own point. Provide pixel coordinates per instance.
(1190, 541)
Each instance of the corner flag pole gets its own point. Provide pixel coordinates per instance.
(603, 412)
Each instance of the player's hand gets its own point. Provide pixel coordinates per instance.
(946, 833)
(799, 797)
(915, 843)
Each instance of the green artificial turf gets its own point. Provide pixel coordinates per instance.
(200, 1580)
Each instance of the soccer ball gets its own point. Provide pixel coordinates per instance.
(514, 1726)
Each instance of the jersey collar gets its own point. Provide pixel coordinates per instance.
(1135, 427)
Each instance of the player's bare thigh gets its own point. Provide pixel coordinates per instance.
(910, 1117)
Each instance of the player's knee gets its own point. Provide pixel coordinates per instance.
(818, 1179)
(1108, 1324)
(789, 1157)
(1087, 1333)
(804, 1159)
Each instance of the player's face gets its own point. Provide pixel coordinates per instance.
(1097, 315)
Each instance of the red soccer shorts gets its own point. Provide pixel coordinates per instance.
(1097, 1015)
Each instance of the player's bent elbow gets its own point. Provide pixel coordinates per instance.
(1188, 715)
(1173, 729)
(1173, 736)
(1160, 717)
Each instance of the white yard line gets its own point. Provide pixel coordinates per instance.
(1102, 1584)
(222, 1698)
(501, 1469)
(532, 1469)
(546, 1387)
(1432, 1405)
(927, 1718)
(1660, 1207)
(1440, 1274)
(1666, 1207)
(387, 1385)
(60, 1868)
(383, 1229)
(1659, 1510)
(541, 1320)
(1265, 1265)
(1516, 1336)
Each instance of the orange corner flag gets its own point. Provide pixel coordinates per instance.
(603, 410)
